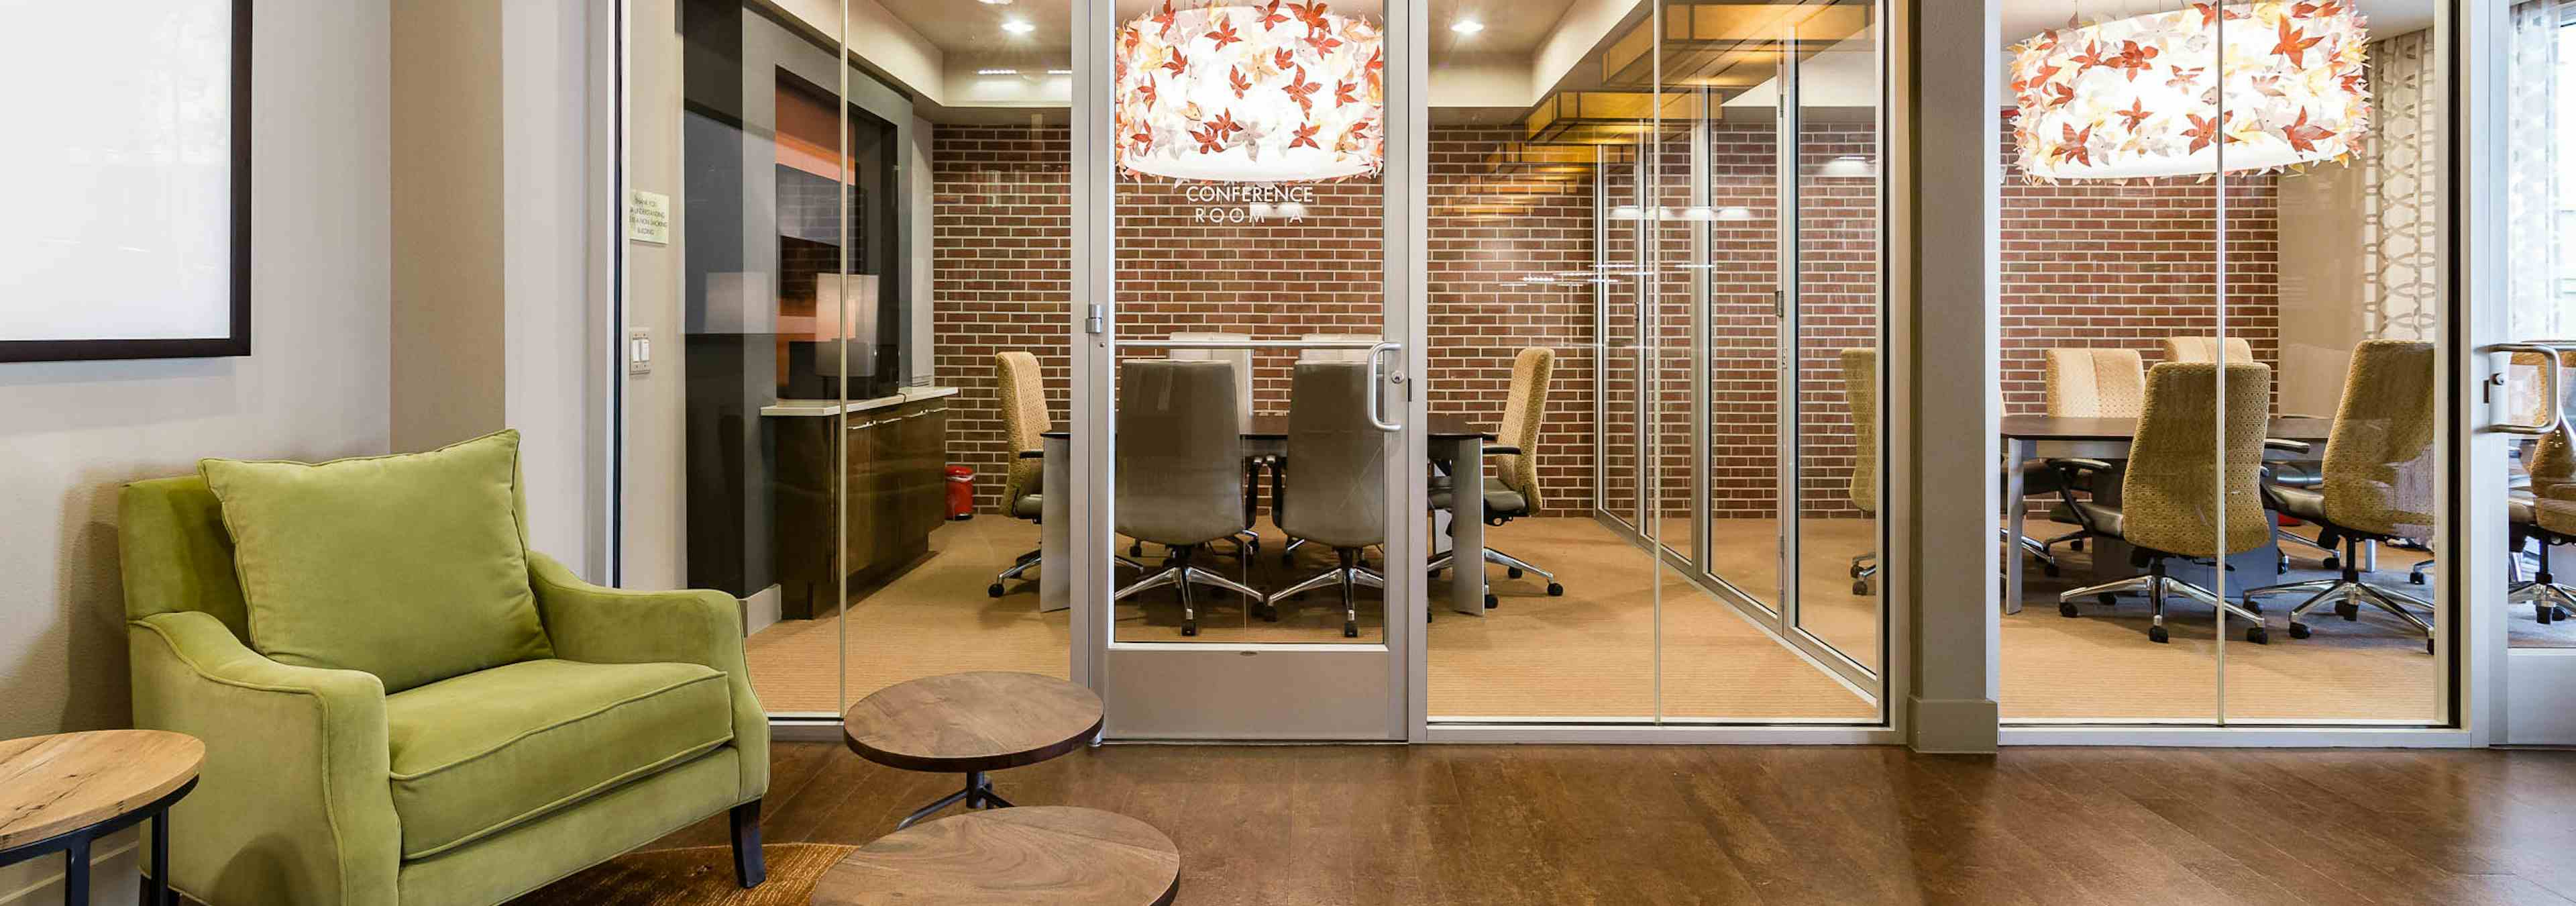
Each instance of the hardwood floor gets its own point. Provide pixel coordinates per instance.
(1735, 824)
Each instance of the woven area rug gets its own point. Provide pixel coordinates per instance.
(696, 876)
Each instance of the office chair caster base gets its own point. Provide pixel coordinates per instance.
(2048, 569)
(1350, 629)
(1435, 574)
(1555, 590)
(2348, 610)
(2299, 630)
(2067, 609)
(2108, 599)
(1189, 629)
(1136, 549)
(1492, 602)
(2428, 646)
(2257, 635)
(2157, 635)
(1855, 570)
(993, 591)
(1512, 573)
(2414, 578)
(1269, 612)
(2331, 562)
(2075, 545)
(1861, 587)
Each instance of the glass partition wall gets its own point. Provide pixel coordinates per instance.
(787, 429)
(2224, 290)
(1685, 228)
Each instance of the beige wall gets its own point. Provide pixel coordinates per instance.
(494, 308)
(654, 496)
(447, 293)
(2321, 285)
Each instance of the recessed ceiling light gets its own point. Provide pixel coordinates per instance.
(997, 72)
(1059, 72)
(995, 2)
(1018, 27)
(1466, 26)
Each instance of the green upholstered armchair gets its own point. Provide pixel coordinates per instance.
(321, 788)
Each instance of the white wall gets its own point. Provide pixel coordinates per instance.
(552, 338)
(315, 386)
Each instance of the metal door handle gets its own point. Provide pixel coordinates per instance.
(1377, 381)
(2553, 413)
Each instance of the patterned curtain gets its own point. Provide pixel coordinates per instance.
(2400, 174)
(2538, 311)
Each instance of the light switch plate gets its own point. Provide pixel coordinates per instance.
(639, 351)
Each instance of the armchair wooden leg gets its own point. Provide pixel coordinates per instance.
(748, 869)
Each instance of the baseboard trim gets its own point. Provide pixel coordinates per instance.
(1952, 726)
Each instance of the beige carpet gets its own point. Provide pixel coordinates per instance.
(1589, 654)
(2100, 665)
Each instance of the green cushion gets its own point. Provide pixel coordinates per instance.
(413, 567)
(481, 752)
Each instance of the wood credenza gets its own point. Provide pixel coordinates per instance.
(889, 462)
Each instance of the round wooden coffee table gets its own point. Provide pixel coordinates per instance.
(970, 723)
(1042, 854)
(60, 793)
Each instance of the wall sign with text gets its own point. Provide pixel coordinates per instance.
(129, 185)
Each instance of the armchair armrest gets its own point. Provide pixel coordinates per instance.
(615, 626)
(2288, 446)
(293, 805)
(1500, 450)
(1033, 454)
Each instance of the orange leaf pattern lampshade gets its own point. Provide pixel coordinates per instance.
(2141, 97)
(1242, 92)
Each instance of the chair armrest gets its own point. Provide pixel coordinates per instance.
(615, 626)
(1498, 450)
(293, 805)
(2288, 446)
(2080, 465)
(1033, 454)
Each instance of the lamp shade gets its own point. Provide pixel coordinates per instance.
(1240, 92)
(2142, 96)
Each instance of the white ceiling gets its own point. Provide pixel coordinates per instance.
(973, 29)
(2024, 18)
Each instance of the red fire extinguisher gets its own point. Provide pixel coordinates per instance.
(961, 492)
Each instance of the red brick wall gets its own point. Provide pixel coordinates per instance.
(1000, 247)
(2092, 264)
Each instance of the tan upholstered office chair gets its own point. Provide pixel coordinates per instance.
(2546, 513)
(1860, 394)
(2095, 383)
(2205, 349)
(1024, 424)
(2081, 383)
(2378, 482)
(1339, 497)
(2172, 479)
(1247, 543)
(1512, 488)
(1180, 476)
(1288, 552)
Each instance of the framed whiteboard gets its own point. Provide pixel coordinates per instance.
(126, 175)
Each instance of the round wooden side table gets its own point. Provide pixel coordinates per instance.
(970, 723)
(60, 793)
(1049, 854)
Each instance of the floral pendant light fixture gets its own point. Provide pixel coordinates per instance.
(2141, 97)
(1242, 92)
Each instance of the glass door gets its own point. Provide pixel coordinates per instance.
(1769, 251)
(1251, 462)
(2530, 382)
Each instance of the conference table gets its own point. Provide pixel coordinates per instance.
(1457, 442)
(2028, 437)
